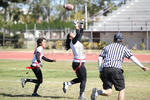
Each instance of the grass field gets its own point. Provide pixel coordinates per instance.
(11, 71)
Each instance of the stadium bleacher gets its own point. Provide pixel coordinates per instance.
(133, 16)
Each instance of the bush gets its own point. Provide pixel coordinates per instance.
(59, 44)
(134, 47)
(142, 45)
(95, 45)
(87, 45)
(18, 40)
(7, 41)
(54, 45)
(8, 44)
(102, 44)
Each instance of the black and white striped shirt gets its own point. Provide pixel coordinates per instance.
(113, 55)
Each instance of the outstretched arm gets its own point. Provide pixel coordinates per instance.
(47, 59)
(136, 61)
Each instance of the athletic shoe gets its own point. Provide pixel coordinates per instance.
(82, 98)
(94, 94)
(65, 86)
(23, 82)
(36, 95)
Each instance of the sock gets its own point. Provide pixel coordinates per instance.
(31, 80)
(36, 88)
(69, 83)
(100, 92)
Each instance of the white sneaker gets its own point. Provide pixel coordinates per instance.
(94, 94)
(82, 98)
(65, 86)
(23, 82)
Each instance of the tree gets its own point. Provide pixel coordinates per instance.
(4, 4)
(2, 22)
(46, 10)
(49, 10)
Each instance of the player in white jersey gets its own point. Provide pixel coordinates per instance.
(73, 42)
(36, 64)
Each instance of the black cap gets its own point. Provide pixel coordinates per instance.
(118, 37)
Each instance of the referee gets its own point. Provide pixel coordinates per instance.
(111, 72)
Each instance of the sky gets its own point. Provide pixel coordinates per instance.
(25, 7)
(62, 2)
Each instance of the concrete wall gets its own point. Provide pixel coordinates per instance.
(130, 38)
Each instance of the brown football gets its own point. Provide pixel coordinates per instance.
(68, 6)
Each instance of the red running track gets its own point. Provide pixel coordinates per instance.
(23, 55)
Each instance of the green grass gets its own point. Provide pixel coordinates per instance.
(11, 71)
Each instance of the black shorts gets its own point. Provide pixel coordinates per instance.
(112, 76)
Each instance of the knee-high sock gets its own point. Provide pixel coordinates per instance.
(82, 87)
(76, 80)
(36, 88)
(32, 80)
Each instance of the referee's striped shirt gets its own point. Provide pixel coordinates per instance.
(113, 55)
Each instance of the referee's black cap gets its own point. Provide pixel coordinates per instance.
(118, 37)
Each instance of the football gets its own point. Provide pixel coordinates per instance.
(68, 7)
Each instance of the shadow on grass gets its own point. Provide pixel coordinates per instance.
(22, 95)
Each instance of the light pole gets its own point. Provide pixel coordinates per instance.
(86, 24)
(147, 45)
(3, 37)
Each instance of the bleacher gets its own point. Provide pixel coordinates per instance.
(133, 16)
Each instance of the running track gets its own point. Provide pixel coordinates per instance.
(25, 55)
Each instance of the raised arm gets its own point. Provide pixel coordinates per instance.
(79, 32)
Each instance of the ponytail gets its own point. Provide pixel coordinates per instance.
(67, 42)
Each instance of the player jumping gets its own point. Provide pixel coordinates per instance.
(73, 42)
